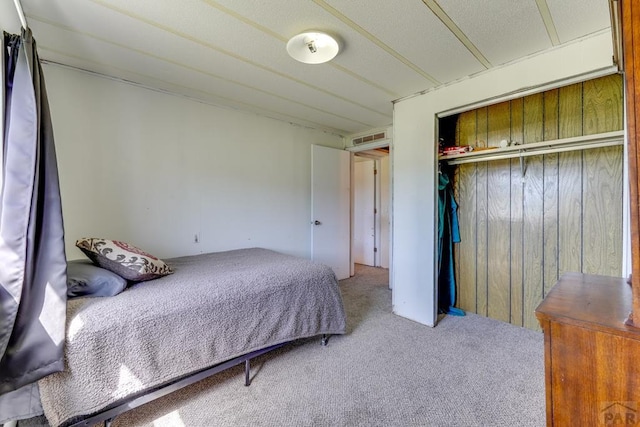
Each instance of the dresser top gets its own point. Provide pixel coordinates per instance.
(590, 301)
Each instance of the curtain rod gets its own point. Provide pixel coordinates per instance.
(23, 19)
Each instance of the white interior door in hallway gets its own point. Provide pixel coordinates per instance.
(371, 211)
(364, 211)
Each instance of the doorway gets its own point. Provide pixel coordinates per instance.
(371, 207)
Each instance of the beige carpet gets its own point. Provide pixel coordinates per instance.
(386, 371)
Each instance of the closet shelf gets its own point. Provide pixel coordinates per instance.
(538, 148)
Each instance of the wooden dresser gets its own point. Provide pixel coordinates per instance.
(592, 358)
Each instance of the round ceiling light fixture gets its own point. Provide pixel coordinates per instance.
(313, 47)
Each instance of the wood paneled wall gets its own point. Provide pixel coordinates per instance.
(520, 232)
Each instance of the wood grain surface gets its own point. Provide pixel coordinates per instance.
(590, 353)
(465, 251)
(562, 214)
(498, 216)
(516, 224)
(482, 195)
(465, 193)
(602, 213)
(550, 190)
(533, 216)
(602, 183)
(570, 182)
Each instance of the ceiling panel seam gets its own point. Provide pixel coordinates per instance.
(365, 80)
(252, 108)
(194, 69)
(244, 19)
(460, 35)
(375, 40)
(545, 13)
(284, 39)
(229, 53)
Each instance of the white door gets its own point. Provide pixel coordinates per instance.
(364, 211)
(385, 205)
(330, 208)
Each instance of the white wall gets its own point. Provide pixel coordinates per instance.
(155, 169)
(415, 163)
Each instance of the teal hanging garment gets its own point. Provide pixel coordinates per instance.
(448, 234)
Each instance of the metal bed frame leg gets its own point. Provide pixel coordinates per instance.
(107, 423)
(247, 369)
(247, 365)
(325, 339)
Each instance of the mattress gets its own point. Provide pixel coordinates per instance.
(214, 307)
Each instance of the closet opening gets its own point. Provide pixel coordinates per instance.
(538, 183)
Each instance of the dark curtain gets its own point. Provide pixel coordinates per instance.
(32, 258)
(448, 234)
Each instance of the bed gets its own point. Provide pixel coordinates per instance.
(216, 308)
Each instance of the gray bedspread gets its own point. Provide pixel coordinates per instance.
(213, 308)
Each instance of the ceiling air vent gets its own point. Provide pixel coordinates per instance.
(368, 138)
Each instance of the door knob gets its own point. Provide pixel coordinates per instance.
(316, 222)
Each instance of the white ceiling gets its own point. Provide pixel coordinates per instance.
(232, 52)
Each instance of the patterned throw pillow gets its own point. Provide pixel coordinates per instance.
(125, 260)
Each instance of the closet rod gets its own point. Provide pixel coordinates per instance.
(23, 19)
(584, 142)
(526, 153)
